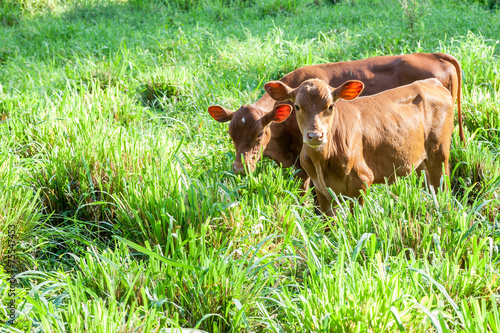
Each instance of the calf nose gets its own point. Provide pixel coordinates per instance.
(315, 136)
(238, 168)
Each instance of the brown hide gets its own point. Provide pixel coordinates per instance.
(282, 142)
(351, 144)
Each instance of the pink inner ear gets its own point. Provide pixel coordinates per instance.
(281, 113)
(271, 85)
(217, 112)
(351, 90)
(276, 91)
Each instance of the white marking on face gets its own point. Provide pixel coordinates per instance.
(243, 120)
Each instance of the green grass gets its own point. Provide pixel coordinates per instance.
(126, 213)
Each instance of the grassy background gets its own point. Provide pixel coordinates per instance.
(128, 217)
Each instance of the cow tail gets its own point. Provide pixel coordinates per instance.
(452, 60)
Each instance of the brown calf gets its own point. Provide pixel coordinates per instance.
(351, 143)
(253, 128)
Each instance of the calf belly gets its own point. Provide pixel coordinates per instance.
(396, 161)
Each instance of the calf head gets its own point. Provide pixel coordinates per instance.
(314, 102)
(250, 130)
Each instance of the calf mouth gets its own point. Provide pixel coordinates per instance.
(314, 144)
(240, 169)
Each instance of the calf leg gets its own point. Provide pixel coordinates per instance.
(436, 162)
(304, 179)
(325, 203)
(360, 181)
(306, 182)
(420, 168)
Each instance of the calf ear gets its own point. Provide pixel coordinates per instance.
(220, 114)
(278, 115)
(349, 90)
(279, 91)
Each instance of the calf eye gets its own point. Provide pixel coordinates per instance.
(297, 107)
(330, 107)
(260, 135)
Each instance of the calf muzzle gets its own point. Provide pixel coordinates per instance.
(239, 168)
(314, 138)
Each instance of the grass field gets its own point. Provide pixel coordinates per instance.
(119, 206)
